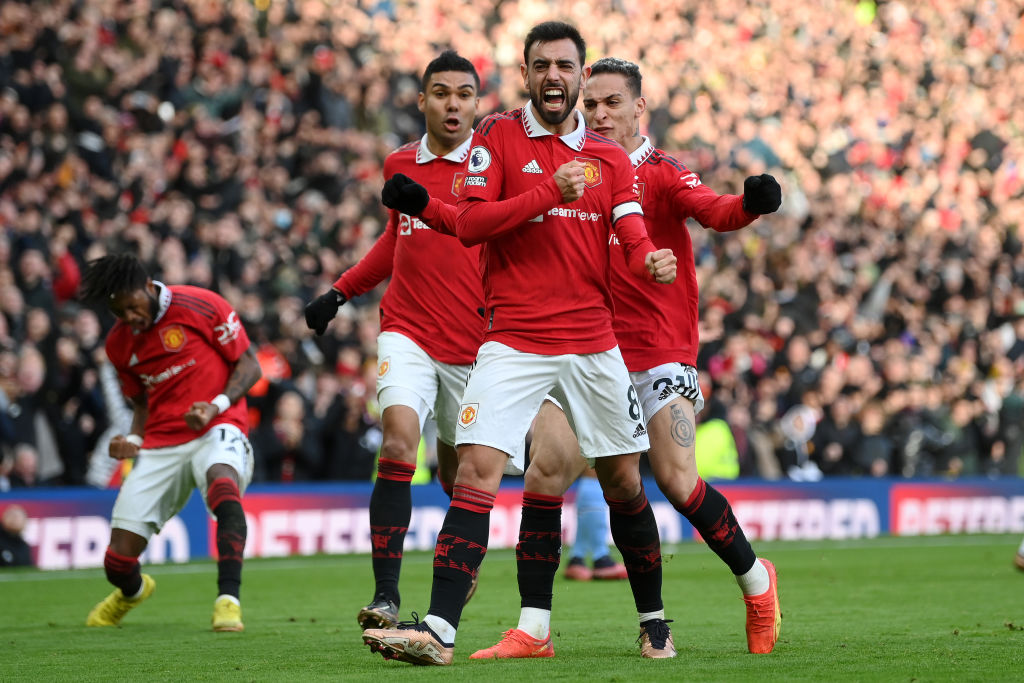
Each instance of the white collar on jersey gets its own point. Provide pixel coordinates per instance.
(640, 154)
(458, 155)
(574, 139)
(163, 297)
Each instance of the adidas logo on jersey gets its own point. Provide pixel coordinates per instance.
(532, 167)
(667, 393)
(639, 431)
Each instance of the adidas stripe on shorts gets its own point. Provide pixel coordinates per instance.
(657, 387)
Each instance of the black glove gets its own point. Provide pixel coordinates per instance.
(404, 194)
(761, 194)
(321, 310)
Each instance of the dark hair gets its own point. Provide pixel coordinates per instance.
(449, 60)
(554, 30)
(614, 65)
(112, 275)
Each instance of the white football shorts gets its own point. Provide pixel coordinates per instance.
(658, 386)
(407, 376)
(162, 479)
(506, 388)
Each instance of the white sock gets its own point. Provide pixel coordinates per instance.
(232, 598)
(444, 630)
(535, 621)
(1021, 548)
(755, 581)
(647, 616)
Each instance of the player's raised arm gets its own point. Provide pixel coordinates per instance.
(480, 221)
(405, 195)
(375, 267)
(726, 212)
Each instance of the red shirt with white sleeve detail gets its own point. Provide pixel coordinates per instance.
(186, 356)
(435, 291)
(654, 323)
(545, 263)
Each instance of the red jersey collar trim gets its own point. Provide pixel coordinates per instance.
(163, 298)
(640, 154)
(458, 155)
(573, 140)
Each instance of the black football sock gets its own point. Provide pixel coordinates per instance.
(539, 548)
(225, 500)
(390, 511)
(461, 546)
(711, 515)
(123, 572)
(635, 532)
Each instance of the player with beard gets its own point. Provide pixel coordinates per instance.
(430, 324)
(656, 327)
(185, 363)
(544, 196)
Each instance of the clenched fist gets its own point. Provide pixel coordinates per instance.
(661, 264)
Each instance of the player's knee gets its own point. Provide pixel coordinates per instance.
(397, 448)
(221, 471)
(544, 480)
(677, 484)
(480, 468)
(621, 485)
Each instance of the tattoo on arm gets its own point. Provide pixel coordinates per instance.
(683, 431)
(246, 373)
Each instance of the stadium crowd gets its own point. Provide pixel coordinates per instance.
(874, 326)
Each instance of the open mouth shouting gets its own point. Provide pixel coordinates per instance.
(553, 98)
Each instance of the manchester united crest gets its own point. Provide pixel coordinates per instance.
(591, 171)
(383, 367)
(173, 338)
(468, 413)
(640, 192)
(458, 180)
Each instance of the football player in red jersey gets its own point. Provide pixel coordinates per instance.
(185, 363)
(543, 195)
(430, 324)
(656, 327)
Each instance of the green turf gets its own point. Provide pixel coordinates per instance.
(918, 609)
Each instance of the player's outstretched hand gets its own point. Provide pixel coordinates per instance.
(321, 310)
(570, 178)
(761, 194)
(121, 448)
(661, 264)
(200, 414)
(404, 194)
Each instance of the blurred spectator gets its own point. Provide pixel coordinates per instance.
(836, 437)
(873, 453)
(286, 449)
(14, 550)
(25, 467)
(798, 425)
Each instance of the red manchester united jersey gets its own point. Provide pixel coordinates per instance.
(186, 356)
(435, 291)
(545, 263)
(656, 323)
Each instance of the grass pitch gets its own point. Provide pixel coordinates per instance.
(889, 609)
